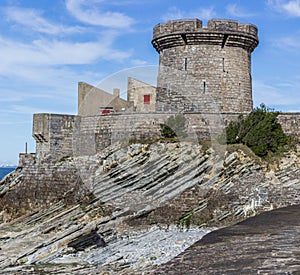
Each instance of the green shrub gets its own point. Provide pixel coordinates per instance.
(260, 131)
(174, 127)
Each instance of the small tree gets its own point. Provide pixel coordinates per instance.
(260, 131)
(173, 127)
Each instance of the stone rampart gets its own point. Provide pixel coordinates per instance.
(94, 133)
(290, 123)
(53, 134)
(88, 135)
(26, 159)
(40, 184)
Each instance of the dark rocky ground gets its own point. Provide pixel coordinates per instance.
(266, 244)
(127, 210)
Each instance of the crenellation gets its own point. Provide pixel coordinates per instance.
(187, 25)
(248, 28)
(222, 25)
(214, 31)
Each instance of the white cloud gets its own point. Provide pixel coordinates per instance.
(32, 19)
(202, 14)
(291, 7)
(272, 94)
(61, 52)
(22, 109)
(236, 11)
(53, 52)
(173, 13)
(44, 59)
(288, 44)
(47, 67)
(89, 12)
(138, 62)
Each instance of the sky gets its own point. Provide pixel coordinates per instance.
(47, 47)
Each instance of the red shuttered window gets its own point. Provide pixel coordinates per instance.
(146, 99)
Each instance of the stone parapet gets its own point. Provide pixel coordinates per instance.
(88, 135)
(290, 123)
(26, 159)
(217, 32)
(53, 134)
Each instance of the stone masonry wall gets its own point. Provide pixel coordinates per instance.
(92, 134)
(88, 135)
(217, 81)
(135, 95)
(41, 184)
(290, 123)
(53, 134)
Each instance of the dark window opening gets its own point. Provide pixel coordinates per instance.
(223, 64)
(225, 38)
(183, 36)
(168, 90)
(185, 64)
(146, 99)
(204, 86)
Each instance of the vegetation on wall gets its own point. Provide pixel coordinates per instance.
(174, 127)
(260, 131)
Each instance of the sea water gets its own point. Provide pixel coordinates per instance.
(5, 170)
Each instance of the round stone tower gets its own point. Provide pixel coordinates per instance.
(204, 68)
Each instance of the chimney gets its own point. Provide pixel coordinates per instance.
(116, 92)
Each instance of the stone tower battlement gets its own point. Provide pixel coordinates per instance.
(204, 68)
(217, 32)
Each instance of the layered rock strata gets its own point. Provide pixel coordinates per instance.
(131, 197)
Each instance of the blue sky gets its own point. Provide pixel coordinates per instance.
(47, 46)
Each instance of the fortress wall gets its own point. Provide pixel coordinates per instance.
(48, 180)
(92, 134)
(61, 134)
(26, 159)
(88, 135)
(290, 123)
(53, 134)
(208, 125)
(42, 184)
(41, 134)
